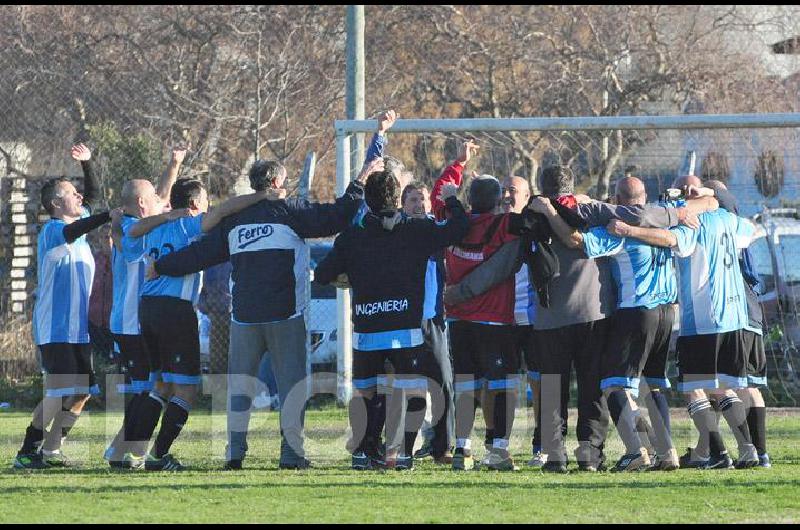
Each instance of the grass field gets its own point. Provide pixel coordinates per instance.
(333, 493)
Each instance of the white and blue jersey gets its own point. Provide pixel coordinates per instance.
(711, 287)
(645, 275)
(525, 299)
(128, 282)
(161, 241)
(66, 272)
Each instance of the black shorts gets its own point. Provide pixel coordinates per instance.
(411, 367)
(137, 364)
(169, 331)
(525, 344)
(756, 359)
(637, 345)
(484, 354)
(68, 369)
(707, 362)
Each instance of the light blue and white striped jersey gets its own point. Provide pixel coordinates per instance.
(128, 281)
(711, 287)
(166, 238)
(645, 275)
(525, 299)
(431, 290)
(66, 272)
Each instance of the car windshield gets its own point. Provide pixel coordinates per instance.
(762, 263)
(789, 258)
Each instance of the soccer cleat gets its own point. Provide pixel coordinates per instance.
(500, 460)
(463, 461)
(720, 461)
(445, 459)
(539, 459)
(764, 461)
(404, 463)
(30, 461)
(303, 463)
(360, 462)
(109, 454)
(747, 458)
(555, 466)
(129, 461)
(55, 459)
(632, 462)
(165, 463)
(691, 460)
(667, 462)
(425, 451)
(233, 465)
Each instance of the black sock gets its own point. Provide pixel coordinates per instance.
(735, 414)
(757, 422)
(488, 438)
(360, 420)
(625, 419)
(33, 437)
(377, 420)
(415, 415)
(175, 417)
(704, 419)
(147, 414)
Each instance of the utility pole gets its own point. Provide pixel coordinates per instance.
(355, 80)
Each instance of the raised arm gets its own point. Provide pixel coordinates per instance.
(148, 224)
(453, 174)
(379, 141)
(312, 220)
(170, 174)
(91, 189)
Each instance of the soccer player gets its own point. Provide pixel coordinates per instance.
(65, 268)
(168, 319)
(713, 303)
(139, 200)
(481, 333)
(265, 245)
(416, 203)
(387, 270)
(639, 334)
(752, 336)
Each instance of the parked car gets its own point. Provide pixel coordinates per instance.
(322, 323)
(776, 256)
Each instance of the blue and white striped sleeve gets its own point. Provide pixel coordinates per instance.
(597, 242)
(687, 240)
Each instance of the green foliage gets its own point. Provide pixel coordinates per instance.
(122, 156)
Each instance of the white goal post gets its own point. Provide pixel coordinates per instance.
(345, 129)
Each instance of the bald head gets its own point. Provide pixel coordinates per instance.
(631, 191)
(687, 180)
(516, 193)
(139, 198)
(716, 185)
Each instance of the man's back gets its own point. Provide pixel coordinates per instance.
(711, 287)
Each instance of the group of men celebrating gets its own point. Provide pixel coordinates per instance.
(445, 301)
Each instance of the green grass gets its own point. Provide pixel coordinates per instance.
(333, 493)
